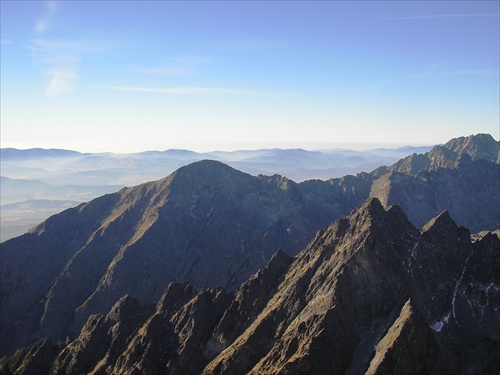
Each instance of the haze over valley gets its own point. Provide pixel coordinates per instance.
(37, 183)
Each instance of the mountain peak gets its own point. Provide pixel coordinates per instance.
(479, 146)
(205, 165)
(125, 308)
(440, 223)
(372, 206)
(209, 172)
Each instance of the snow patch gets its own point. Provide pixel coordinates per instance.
(438, 326)
(413, 255)
(457, 286)
(210, 212)
(492, 285)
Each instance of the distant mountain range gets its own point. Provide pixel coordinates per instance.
(57, 167)
(59, 176)
(213, 226)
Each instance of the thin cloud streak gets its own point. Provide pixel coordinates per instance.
(250, 45)
(434, 16)
(62, 60)
(195, 91)
(472, 72)
(43, 23)
(61, 57)
(164, 71)
(415, 77)
(62, 80)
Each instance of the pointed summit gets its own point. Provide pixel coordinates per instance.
(372, 208)
(372, 205)
(442, 230)
(441, 222)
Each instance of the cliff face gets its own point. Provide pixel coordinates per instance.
(213, 226)
(369, 294)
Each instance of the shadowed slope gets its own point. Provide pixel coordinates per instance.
(369, 294)
(206, 223)
(211, 225)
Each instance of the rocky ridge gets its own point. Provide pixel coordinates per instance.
(207, 224)
(369, 294)
(211, 225)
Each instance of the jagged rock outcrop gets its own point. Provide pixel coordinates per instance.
(408, 346)
(373, 294)
(211, 225)
(369, 294)
(33, 360)
(185, 330)
(461, 177)
(102, 338)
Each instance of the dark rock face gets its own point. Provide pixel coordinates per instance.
(211, 225)
(356, 300)
(369, 294)
(206, 223)
(459, 189)
(409, 346)
(35, 359)
(185, 330)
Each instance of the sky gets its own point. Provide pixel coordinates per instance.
(126, 76)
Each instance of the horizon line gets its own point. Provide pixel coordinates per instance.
(364, 147)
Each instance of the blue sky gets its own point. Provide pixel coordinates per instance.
(132, 76)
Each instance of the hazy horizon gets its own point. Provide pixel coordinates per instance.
(346, 147)
(132, 76)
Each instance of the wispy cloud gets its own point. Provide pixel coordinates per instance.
(169, 71)
(434, 16)
(4, 42)
(174, 66)
(473, 72)
(62, 80)
(61, 60)
(43, 22)
(434, 75)
(250, 45)
(191, 60)
(196, 91)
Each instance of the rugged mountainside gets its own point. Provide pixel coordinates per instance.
(206, 223)
(369, 294)
(462, 177)
(211, 225)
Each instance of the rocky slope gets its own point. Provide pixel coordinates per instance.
(369, 294)
(210, 225)
(462, 177)
(206, 223)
